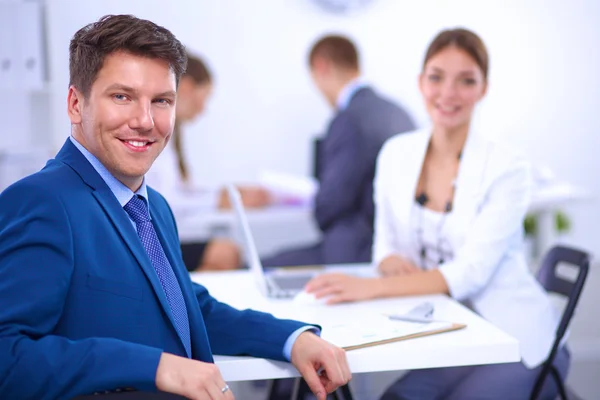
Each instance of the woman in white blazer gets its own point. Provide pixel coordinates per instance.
(170, 175)
(450, 206)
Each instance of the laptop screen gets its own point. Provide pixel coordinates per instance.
(256, 267)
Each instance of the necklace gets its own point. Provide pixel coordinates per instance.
(422, 199)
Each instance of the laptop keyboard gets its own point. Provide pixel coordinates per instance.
(291, 282)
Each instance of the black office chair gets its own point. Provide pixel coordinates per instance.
(300, 390)
(572, 290)
(130, 395)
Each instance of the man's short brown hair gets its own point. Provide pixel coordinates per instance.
(113, 33)
(338, 49)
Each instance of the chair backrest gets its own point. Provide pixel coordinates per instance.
(547, 276)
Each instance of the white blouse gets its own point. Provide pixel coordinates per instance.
(431, 243)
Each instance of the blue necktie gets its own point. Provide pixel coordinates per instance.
(138, 211)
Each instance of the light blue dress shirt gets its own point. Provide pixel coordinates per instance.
(124, 194)
(121, 192)
(348, 92)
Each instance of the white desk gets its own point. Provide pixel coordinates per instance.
(479, 343)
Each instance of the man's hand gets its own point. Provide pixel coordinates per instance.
(323, 366)
(341, 288)
(252, 197)
(193, 379)
(395, 265)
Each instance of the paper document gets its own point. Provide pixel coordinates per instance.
(380, 329)
(289, 188)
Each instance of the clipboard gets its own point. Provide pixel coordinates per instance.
(379, 330)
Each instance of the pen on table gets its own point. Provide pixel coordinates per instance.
(408, 318)
(422, 313)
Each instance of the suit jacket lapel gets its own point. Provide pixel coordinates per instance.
(406, 186)
(123, 225)
(469, 182)
(71, 156)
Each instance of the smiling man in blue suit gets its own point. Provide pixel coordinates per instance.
(94, 293)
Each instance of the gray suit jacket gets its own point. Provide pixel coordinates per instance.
(347, 155)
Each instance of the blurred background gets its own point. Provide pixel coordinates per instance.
(266, 113)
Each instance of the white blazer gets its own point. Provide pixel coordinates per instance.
(484, 229)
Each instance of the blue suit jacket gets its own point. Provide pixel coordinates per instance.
(82, 308)
(344, 206)
(347, 155)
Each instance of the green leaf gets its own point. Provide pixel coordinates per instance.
(530, 224)
(562, 223)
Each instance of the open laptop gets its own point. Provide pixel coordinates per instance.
(276, 282)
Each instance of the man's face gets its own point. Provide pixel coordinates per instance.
(129, 115)
(319, 75)
(323, 76)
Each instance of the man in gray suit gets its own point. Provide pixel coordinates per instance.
(347, 155)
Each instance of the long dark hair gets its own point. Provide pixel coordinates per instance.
(198, 71)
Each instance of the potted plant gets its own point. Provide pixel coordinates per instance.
(562, 224)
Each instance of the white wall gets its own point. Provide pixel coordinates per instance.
(543, 95)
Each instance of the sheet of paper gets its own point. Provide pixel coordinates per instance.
(375, 329)
(289, 188)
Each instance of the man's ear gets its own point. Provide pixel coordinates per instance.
(74, 105)
(320, 65)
